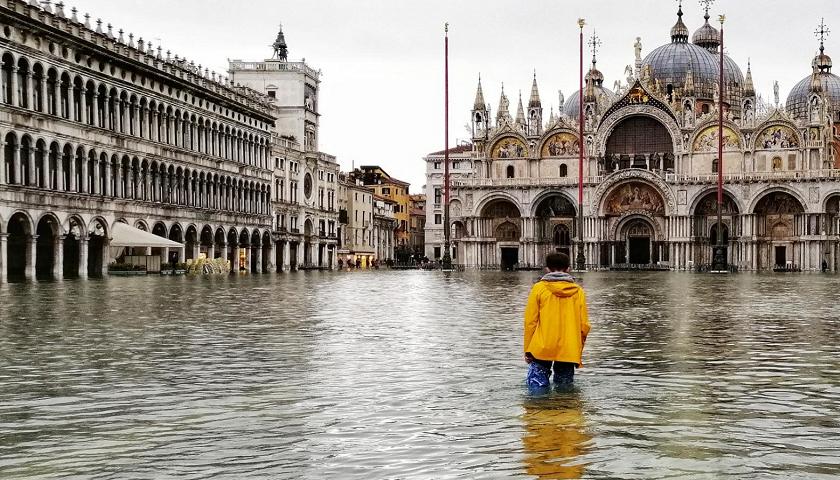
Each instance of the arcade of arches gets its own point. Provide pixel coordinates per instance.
(635, 229)
(58, 246)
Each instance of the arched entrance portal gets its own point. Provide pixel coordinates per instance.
(501, 220)
(638, 236)
(777, 229)
(639, 142)
(555, 225)
(705, 226)
(631, 210)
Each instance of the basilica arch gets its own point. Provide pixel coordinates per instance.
(633, 211)
(637, 103)
(499, 226)
(554, 216)
(705, 225)
(779, 222)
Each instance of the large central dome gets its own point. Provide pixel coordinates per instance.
(670, 64)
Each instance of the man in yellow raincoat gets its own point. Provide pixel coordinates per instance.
(556, 321)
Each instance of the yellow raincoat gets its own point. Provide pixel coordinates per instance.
(556, 320)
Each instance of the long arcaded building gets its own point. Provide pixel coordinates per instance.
(101, 127)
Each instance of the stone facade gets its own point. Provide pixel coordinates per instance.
(356, 201)
(650, 172)
(305, 180)
(99, 129)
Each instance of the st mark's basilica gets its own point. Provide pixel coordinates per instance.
(650, 170)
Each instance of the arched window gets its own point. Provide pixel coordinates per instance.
(564, 171)
(510, 171)
(715, 165)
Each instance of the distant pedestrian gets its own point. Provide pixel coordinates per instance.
(556, 323)
(824, 266)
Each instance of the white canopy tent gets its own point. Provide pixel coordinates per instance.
(123, 235)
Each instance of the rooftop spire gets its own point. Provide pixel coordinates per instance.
(594, 44)
(503, 105)
(281, 51)
(534, 102)
(749, 88)
(479, 96)
(520, 112)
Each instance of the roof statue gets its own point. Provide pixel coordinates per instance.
(281, 52)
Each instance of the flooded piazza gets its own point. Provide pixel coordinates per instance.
(416, 375)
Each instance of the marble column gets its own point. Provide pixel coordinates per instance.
(58, 257)
(83, 257)
(257, 252)
(4, 268)
(271, 265)
(247, 260)
(31, 253)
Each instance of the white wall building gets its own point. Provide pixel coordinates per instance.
(305, 210)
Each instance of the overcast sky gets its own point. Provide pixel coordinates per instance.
(382, 60)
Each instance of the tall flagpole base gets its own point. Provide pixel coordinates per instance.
(446, 261)
(719, 263)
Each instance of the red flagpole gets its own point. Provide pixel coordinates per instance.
(720, 142)
(447, 258)
(581, 259)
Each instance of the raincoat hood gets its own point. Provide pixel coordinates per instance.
(560, 284)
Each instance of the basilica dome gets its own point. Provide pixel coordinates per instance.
(825, 81)
(670, 64)
(603, 96)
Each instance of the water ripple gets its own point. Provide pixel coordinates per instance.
(415, 375)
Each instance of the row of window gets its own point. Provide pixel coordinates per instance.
(325, 228)
(454, 165)
(98, 105)
(88, 171)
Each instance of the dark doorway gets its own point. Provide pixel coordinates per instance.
(45, 248)
(71, 257)
(293, 255)
(96, 252)
(639, 250)
(781, 256)
(17, 245)
(510, 257)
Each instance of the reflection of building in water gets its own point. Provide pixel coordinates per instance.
(650, 169)
(555, 437)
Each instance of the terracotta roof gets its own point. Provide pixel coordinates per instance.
(458, 149)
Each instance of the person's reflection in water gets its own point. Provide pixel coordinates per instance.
(555, 435)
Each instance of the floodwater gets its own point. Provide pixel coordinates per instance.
(416, 375)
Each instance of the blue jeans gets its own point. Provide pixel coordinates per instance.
(564, 372)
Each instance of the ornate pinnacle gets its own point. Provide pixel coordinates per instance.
(594, 44)
(822, 33)
(706, 5)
